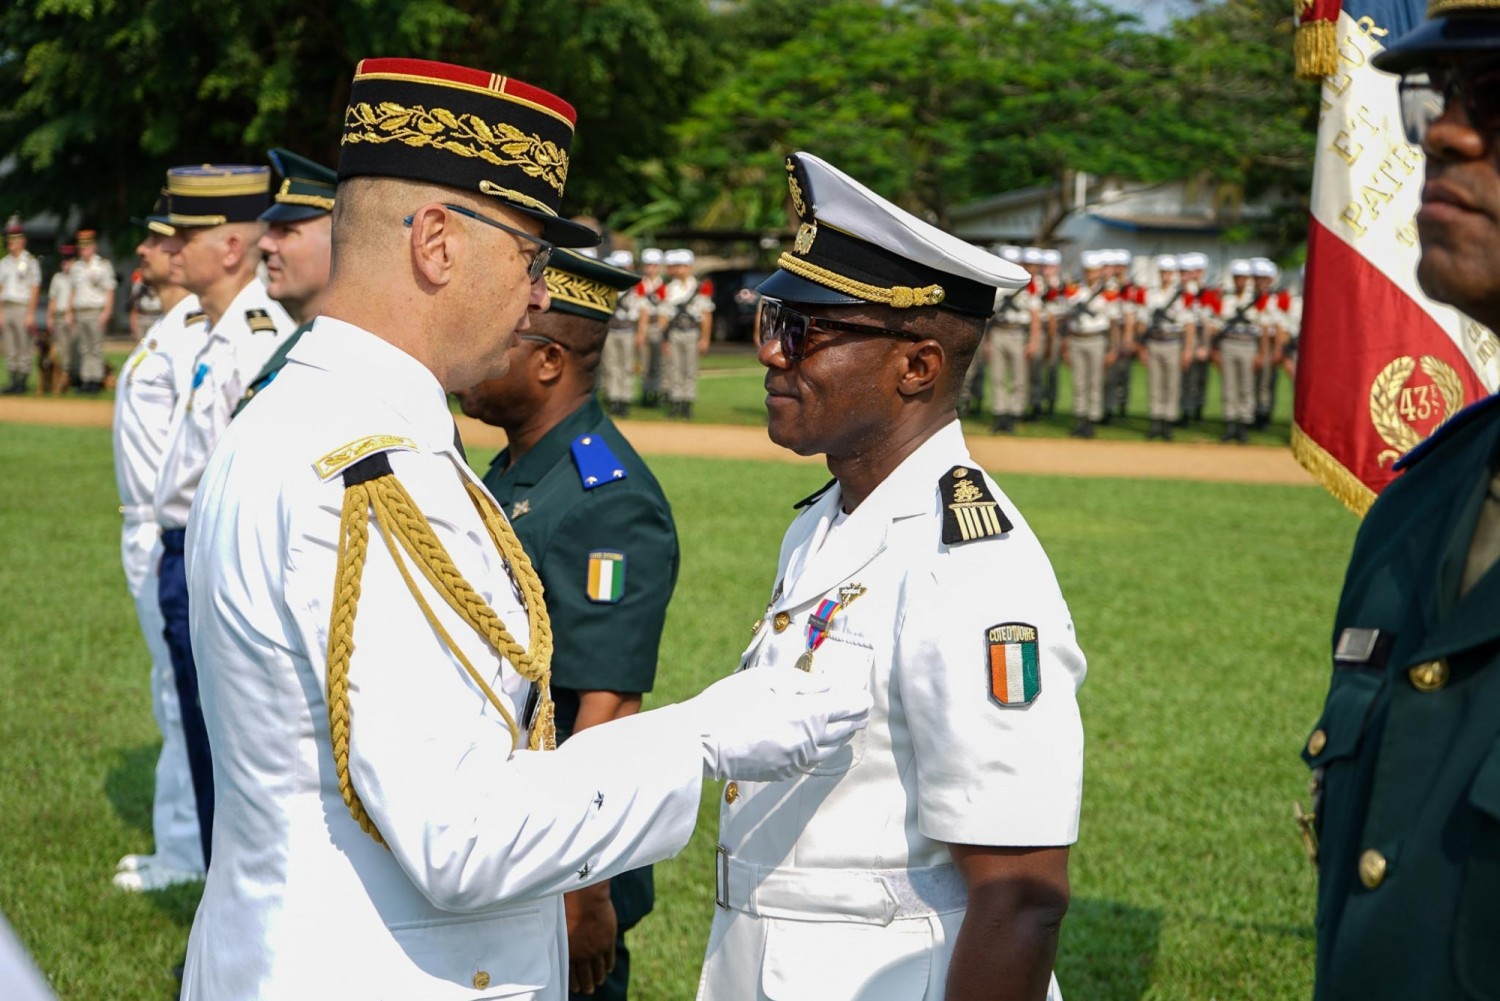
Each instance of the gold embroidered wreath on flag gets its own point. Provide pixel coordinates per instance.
(465, 135)
(1385, 402)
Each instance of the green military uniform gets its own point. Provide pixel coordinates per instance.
(1406, 756)
(600, 533)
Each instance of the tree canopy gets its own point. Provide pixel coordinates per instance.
(686, 107)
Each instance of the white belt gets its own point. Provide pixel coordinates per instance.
(134, 514)
(870, 896)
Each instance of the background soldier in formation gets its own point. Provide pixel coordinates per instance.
(1191, 267)
(1167, 334)
(617, 368)
(89, 310)
(1092, 325)
(685, 316)
(648, 335)
(1239, 344)
(1116, 265)
(1013, 340)
(20, 289)
(55, 342)
(1272, 305)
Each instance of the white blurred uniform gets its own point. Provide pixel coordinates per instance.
(150, 380)
(839, 885)
(465, 903)
(226, 363)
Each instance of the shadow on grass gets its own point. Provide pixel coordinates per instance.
(1107, 950)
(130, 783)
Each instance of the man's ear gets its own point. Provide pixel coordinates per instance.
(432, 244)
(551, 362)
(923, 364)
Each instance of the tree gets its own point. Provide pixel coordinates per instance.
(106, 94)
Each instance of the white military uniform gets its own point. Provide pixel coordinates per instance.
(300, 903)
(684, 303)
(20, 279)
(839, 885)
(229, 359)
(151, 378)
(93, 282)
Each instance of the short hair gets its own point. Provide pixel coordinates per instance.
(583, 336)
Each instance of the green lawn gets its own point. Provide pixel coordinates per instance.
(1204, 611)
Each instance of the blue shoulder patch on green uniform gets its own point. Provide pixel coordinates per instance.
(596, 463)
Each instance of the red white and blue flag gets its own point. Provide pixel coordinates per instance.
(1379, 364)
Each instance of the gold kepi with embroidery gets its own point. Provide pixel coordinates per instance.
(212, 194)
(852, 246)
(584, 286)
(467, 129)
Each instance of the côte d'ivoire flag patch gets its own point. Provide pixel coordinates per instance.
(1015, 671)
(606, 583)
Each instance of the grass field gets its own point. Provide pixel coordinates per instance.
(1204, 611)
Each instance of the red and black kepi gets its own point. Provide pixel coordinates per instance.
(466, 129)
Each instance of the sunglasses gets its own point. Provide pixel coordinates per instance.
(790, 328)
(1426, 95)
(535, 267)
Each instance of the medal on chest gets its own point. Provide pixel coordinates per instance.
(821, 620)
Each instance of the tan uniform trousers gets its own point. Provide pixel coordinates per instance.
(1237, 357)
(617, 366)
(1164, 378)
(651, 360)
(1008, 371)
(1086, 357)
(682, 364)
(1265, 387)
(14, 339)
(88, 344)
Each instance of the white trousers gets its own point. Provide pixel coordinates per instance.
(758, 958)
(174, 814)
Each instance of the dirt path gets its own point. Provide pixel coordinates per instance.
(1061, 457)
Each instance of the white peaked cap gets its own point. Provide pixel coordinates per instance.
(1263, 267)
(678, 255)
(651, 256)
(1010, 253)
(621, 259)
(1033, 255)
(1238, 267)
(1193, 261)
(855, 246)
(1090, 259)
(1051, 256)
(1166, 262)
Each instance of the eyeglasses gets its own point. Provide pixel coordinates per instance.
(791, 328)
(534, 267)
(1426, 95)
(543, 339)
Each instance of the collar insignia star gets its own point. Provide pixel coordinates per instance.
(519, 508)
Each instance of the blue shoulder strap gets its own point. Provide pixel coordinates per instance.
(597, 464)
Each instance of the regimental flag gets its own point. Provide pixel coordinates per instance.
(1379, 364)
(606, 576)
(1015, 671)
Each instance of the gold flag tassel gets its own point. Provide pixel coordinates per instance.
(404, 528)
(1316, 49)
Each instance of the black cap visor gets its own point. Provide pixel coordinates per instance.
(1454, 35)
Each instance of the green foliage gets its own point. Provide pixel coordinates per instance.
(942, 102)
(1206, 635)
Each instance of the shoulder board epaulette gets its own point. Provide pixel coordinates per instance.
(970, 511)
(706, 288)
(259, 321)
(597, 464)
(812, 498)
(196, 316)
(344, 456)
(1446, 430)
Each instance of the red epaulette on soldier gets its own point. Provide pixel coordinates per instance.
(706, 288)
(1261, 300)
(1284, 300)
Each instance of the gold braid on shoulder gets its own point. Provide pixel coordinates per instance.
(371, 488)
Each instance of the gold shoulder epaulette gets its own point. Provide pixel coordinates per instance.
(344, 456)
(970, 511)
(196, 316)
(259, 321)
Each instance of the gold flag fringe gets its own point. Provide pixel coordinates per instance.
(1328, 471)
(1316, 48)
